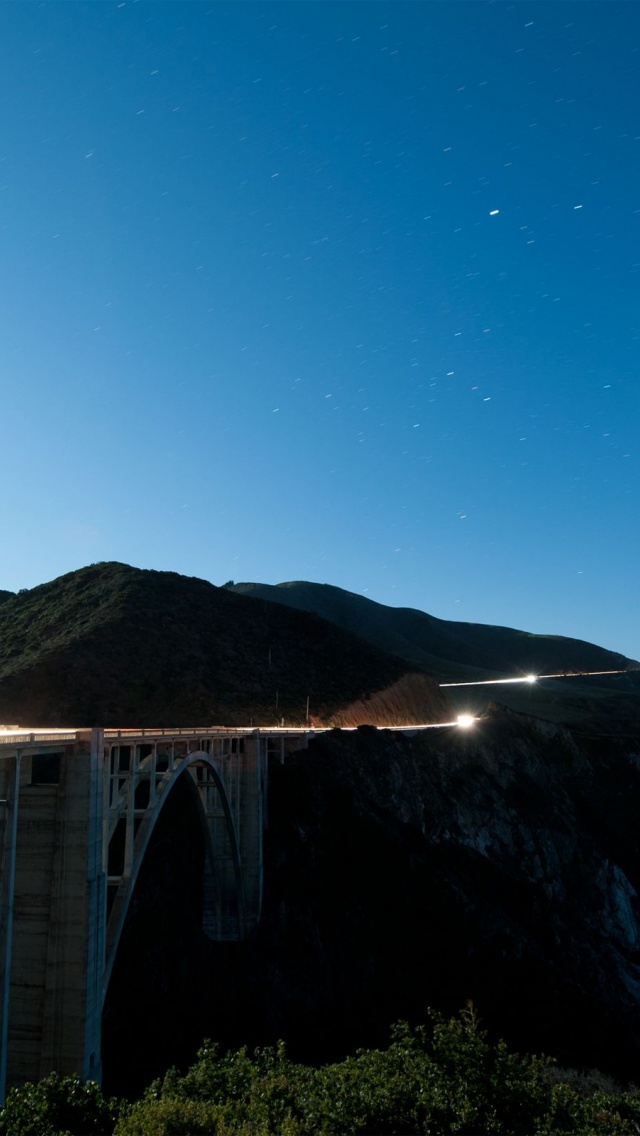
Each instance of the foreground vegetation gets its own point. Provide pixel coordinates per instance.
(444, 1078)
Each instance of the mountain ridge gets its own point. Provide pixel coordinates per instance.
(115, 645)
(470, 652)
(110, 644)
(330, 600)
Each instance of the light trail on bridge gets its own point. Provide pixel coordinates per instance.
(56, 732)
(24, 734)
(29, 737)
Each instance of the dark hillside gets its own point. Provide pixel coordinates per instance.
(459, 652)
(447, 647)
(4, 595)
(114, 645)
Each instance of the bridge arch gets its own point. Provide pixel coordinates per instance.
(77, 843)
(223, 914)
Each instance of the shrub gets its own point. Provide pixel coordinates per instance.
(435, 1080)
(58, 1105)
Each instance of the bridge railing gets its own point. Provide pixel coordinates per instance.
(36, 737)
(208, 731)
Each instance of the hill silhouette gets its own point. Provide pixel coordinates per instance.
(114, 645)
(467, 652)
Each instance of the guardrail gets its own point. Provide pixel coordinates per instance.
(31, 737)
(206, 731)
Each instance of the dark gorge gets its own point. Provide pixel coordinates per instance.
(402, 873)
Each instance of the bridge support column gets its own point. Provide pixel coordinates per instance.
(233, 874)
(53, 925)
(250, 827)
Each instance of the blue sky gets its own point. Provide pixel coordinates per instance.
(346, 292)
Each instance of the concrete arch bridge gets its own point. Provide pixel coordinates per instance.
(77, 812)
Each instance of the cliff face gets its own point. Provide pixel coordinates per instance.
(500, 865)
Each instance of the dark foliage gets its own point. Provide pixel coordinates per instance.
(113, 645)
(58, 1106)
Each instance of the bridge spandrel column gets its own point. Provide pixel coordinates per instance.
(251, 826)
(58, 916)
(223, 903)
(233, 871)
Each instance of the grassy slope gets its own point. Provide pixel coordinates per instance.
(110, 644)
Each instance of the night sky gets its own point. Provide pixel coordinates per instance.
(338, 291)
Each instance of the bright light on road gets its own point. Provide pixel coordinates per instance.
(534, 678)
(466, 721)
